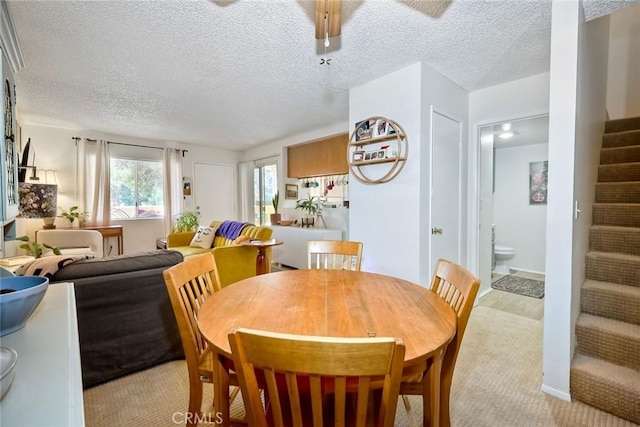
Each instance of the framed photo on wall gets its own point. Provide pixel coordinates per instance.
(291, 191)
(381, 128)
(538, 182)
(364, 129)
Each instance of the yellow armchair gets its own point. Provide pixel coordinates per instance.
(234, 263)
(182, 238)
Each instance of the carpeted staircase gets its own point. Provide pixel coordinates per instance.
(605, 372)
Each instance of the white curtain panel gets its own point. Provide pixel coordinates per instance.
(172, 186)
(246, 192)
(94, 180)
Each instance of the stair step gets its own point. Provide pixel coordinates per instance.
(618, 302)
(618, 192)
(619, 172)
(622, 240)
(621, 139)
(611, 388)
(620, 154)
(614, 268)
(608, 339)
(621, 125)
(617, 214)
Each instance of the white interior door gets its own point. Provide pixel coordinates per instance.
(446, 159)
(214, 191)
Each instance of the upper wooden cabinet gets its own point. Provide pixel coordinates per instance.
(322, 157)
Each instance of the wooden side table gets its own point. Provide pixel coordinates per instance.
(262, 265)
(110, 231)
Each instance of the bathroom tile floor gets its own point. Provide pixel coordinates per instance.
(532, 308)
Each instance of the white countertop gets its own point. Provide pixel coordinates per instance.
(47, 387)
(314, 229)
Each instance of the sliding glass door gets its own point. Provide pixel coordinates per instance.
(265, 185)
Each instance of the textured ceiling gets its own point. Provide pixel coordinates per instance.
(236, 74)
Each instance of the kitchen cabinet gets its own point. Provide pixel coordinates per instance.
(318, 158)
(293, 252)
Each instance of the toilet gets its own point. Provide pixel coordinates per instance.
(502, 256)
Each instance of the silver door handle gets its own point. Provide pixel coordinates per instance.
(436, 230)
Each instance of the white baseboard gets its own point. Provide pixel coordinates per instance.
(483, 293)
(525, 270)
(556, 393)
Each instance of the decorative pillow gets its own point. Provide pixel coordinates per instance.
(204, 237)
(241, 239)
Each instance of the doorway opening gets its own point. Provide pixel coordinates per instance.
(512, 210)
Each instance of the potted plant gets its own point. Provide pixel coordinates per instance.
(309, 206)
(187, 221)
(35, 249)
(71, 215)
(275, 217)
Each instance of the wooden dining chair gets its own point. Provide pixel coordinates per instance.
(233, 263)
(458, 287)
(334, 254)
(306, 378)
(189, 284)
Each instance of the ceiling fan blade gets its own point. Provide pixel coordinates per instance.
(330, 9)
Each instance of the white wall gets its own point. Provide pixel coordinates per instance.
(523, 98)
(398, 210)
(56, 150)
(519, 224)
(623, 76)
(386, 217)
(576, 119)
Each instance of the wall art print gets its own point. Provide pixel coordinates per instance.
(538, 182)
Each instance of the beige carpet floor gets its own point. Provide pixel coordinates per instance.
(496, 383)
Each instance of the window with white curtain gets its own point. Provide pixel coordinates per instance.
(136, 182)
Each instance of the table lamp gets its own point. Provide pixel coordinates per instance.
(38, 201)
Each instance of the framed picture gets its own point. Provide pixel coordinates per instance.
(358, 156)
(367, 156)
(186, 186)
(291, 191)
(538, 182)
(364, 129)
(374, 155)
(391, 130)
(381, 154)
(381, 128)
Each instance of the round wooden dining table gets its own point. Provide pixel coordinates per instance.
(333, 303)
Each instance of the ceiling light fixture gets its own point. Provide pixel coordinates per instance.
(327, 19)
(507, 135)
(506, 131)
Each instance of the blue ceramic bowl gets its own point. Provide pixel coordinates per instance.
(17, 306)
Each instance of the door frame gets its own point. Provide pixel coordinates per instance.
(474, 222)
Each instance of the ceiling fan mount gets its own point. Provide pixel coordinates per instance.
(328, 22)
